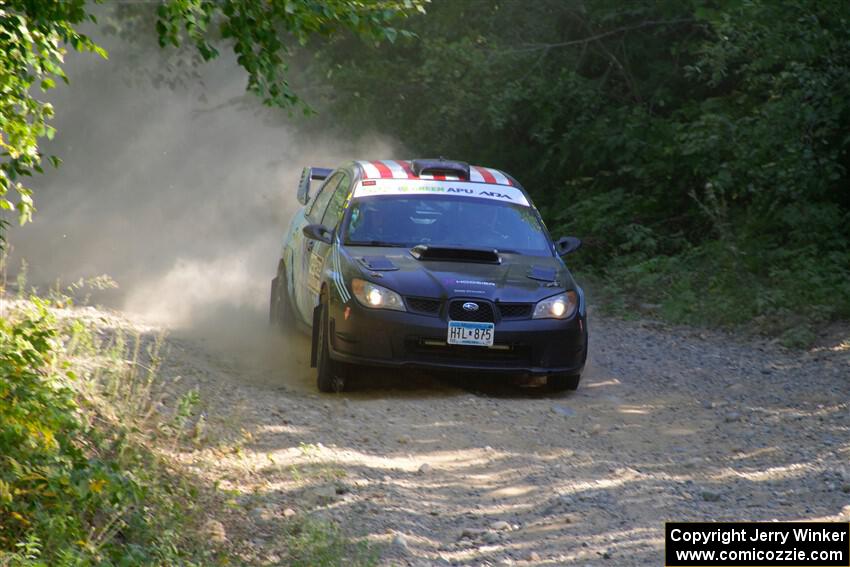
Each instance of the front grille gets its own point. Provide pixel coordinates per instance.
(515, 310)
(423, 305)
(484, 313)
(438, 351)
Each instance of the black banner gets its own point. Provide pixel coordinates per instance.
(757, 544)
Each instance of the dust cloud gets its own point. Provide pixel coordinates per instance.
(182, 199)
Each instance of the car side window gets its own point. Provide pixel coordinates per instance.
(321, 200)
(332, 213)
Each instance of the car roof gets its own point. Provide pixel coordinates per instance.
(406, 169)
(395, 177)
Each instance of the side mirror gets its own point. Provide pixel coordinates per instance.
(303, 194)
(317, 232)
(567, 245)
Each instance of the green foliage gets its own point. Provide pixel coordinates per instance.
(81, 482)
(76, 488)
(37, 429)
(313, 543)
(33, 36)
(700, 148)
(260, 32)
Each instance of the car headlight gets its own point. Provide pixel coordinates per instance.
(561, 306)
(375, 296)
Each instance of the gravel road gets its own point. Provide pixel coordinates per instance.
(668, 424)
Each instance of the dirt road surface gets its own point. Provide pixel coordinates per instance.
(668, 424)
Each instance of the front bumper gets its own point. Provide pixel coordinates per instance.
(379, 337)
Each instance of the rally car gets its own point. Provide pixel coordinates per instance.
(428, 263)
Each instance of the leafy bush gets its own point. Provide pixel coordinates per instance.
(75, 488)
(81, 482)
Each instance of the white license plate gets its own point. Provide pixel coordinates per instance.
(464, 333)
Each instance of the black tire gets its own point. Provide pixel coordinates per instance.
(330, 374)
(562, 382)
(280, 308)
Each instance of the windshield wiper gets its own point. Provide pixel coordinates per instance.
(375, 243)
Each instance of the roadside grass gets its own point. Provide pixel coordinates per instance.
(314, 543)
(86, 429)
(790, 296)
(81, 481)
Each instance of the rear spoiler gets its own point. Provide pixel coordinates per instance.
(319, 172)
(308, 173)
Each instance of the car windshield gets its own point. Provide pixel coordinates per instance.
(440, 220)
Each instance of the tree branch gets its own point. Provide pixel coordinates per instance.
(603, 35)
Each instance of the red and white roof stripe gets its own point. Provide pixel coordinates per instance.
(488, 175)
(398, 169)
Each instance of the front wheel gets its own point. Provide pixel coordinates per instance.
(561, 382)
(330, 374)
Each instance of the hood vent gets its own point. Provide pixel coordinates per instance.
(543, 274)
(378, 263)
(425, 253)
(440, 167)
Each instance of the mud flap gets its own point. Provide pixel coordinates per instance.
(317, 320)
(273, 306)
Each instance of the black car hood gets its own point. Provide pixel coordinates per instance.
(517, 278)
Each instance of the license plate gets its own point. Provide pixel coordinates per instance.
(464, 333)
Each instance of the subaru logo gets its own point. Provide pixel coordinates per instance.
(469, 306)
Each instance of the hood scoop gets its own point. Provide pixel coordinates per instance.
(543, 274)
(378, 263)
(424, 253)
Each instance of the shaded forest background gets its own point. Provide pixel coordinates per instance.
(700, 148)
